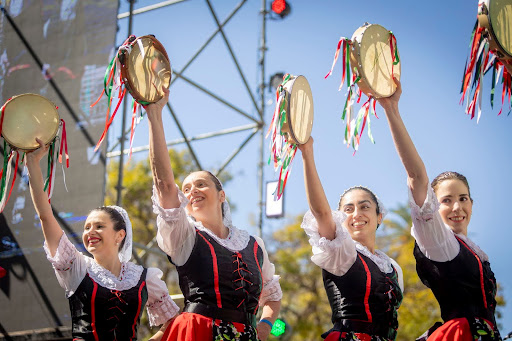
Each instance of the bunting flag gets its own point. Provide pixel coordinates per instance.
(480, 61)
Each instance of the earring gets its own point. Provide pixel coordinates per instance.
(117, 244)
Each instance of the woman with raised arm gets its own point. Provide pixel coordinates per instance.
(224, 273)
(106, 293)
(364, 286)
(448, 262)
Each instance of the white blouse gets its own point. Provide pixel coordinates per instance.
(435, 239)
(71, 266)
(177, 233)
(338, 255)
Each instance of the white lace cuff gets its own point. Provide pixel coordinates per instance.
(427, 210)
(271, 291)
(310, 226)
(169, 214)
(64, 256)
(162, 311)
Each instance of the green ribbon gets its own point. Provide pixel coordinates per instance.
(4, 173)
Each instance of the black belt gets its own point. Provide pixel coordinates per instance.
(364, 327)
(228, 315)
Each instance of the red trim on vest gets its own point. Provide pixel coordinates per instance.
(261, 274)
(480, 268)
(368, 289)
(215, 270)
(93, 312)
(134, 335)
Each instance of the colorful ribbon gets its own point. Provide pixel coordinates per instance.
(480, 61)
(282, 150)
(112, 82)
(354, 126)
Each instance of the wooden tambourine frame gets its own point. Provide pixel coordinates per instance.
(372, 61)
(299, 110)
(26, 117)
(496, 17)
(145, 73)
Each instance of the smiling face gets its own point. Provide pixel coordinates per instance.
(362, 218)
(204, 196)
(456, 204)
(99, 236)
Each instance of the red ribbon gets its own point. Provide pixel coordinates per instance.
(64, 143)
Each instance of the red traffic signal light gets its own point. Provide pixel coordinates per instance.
(281, 8)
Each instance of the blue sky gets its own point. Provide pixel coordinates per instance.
(433, 42)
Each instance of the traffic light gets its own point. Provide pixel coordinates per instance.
(281, 8)
(279, 328)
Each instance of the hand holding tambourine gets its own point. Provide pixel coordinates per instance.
(291, 125)
(372, 55)
(141, 67)
(23, 119)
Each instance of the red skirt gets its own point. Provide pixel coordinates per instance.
(194, 327)
(453, 330)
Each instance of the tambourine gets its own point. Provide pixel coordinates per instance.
(495, 17)
(291, 124)
(145, 68)
(298, 102)
(141, 67)
(374, 61)
(27, 116)
(491, 48)
(372, 57)
(23, 119)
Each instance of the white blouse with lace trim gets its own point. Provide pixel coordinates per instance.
(435, 239)
(177, 233)
(338, 255)
(71, 266)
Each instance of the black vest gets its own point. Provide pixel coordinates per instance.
(364, 300)
(102, 314)
(217, 277)
(464, 286)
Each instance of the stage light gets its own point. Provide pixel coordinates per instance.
(275, 80)
(281, 8)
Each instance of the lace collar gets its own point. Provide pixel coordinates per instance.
(380, 258)
(476, 249)
(128, 277)
(236, 240)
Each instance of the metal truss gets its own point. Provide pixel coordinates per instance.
(257, 123)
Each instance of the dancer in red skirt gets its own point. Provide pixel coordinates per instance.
(447, 261)
(364, 286)
(224, 273)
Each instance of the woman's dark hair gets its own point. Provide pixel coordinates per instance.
(450, 176)
(117, 219)
(372, 195)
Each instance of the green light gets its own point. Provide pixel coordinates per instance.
(279, 328)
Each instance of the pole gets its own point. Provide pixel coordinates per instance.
(123, 125)
(263, 50)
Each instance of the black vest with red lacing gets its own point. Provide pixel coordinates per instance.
(217, 282)
(464, 286)
(364, 299)
(102, 314)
